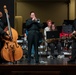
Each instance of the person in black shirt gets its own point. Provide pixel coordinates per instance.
(3, 29)
(33, 26)
(3, 34)
(73, 36)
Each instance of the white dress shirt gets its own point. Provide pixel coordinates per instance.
(45, 30)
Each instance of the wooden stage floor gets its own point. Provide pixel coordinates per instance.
(52, 67)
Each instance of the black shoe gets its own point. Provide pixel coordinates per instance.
(37, 62)
(54, 57)
(71, 62)
(28, 62)
(32, 57)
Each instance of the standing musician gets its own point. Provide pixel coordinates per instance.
(73, 36)
(52, 42)
(33, 26)
(3, 34)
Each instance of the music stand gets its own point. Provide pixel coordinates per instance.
(52, 34)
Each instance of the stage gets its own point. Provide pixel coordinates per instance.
(47, 66)
(38, 69)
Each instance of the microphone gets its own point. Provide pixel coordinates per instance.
(38, 20)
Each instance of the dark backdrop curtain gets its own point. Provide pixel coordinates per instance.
(10, 7)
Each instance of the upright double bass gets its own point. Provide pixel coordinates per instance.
(11, 50)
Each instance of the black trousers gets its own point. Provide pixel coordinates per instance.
(1, 46)
(73, 51)
(33, 39)
(52, 47)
